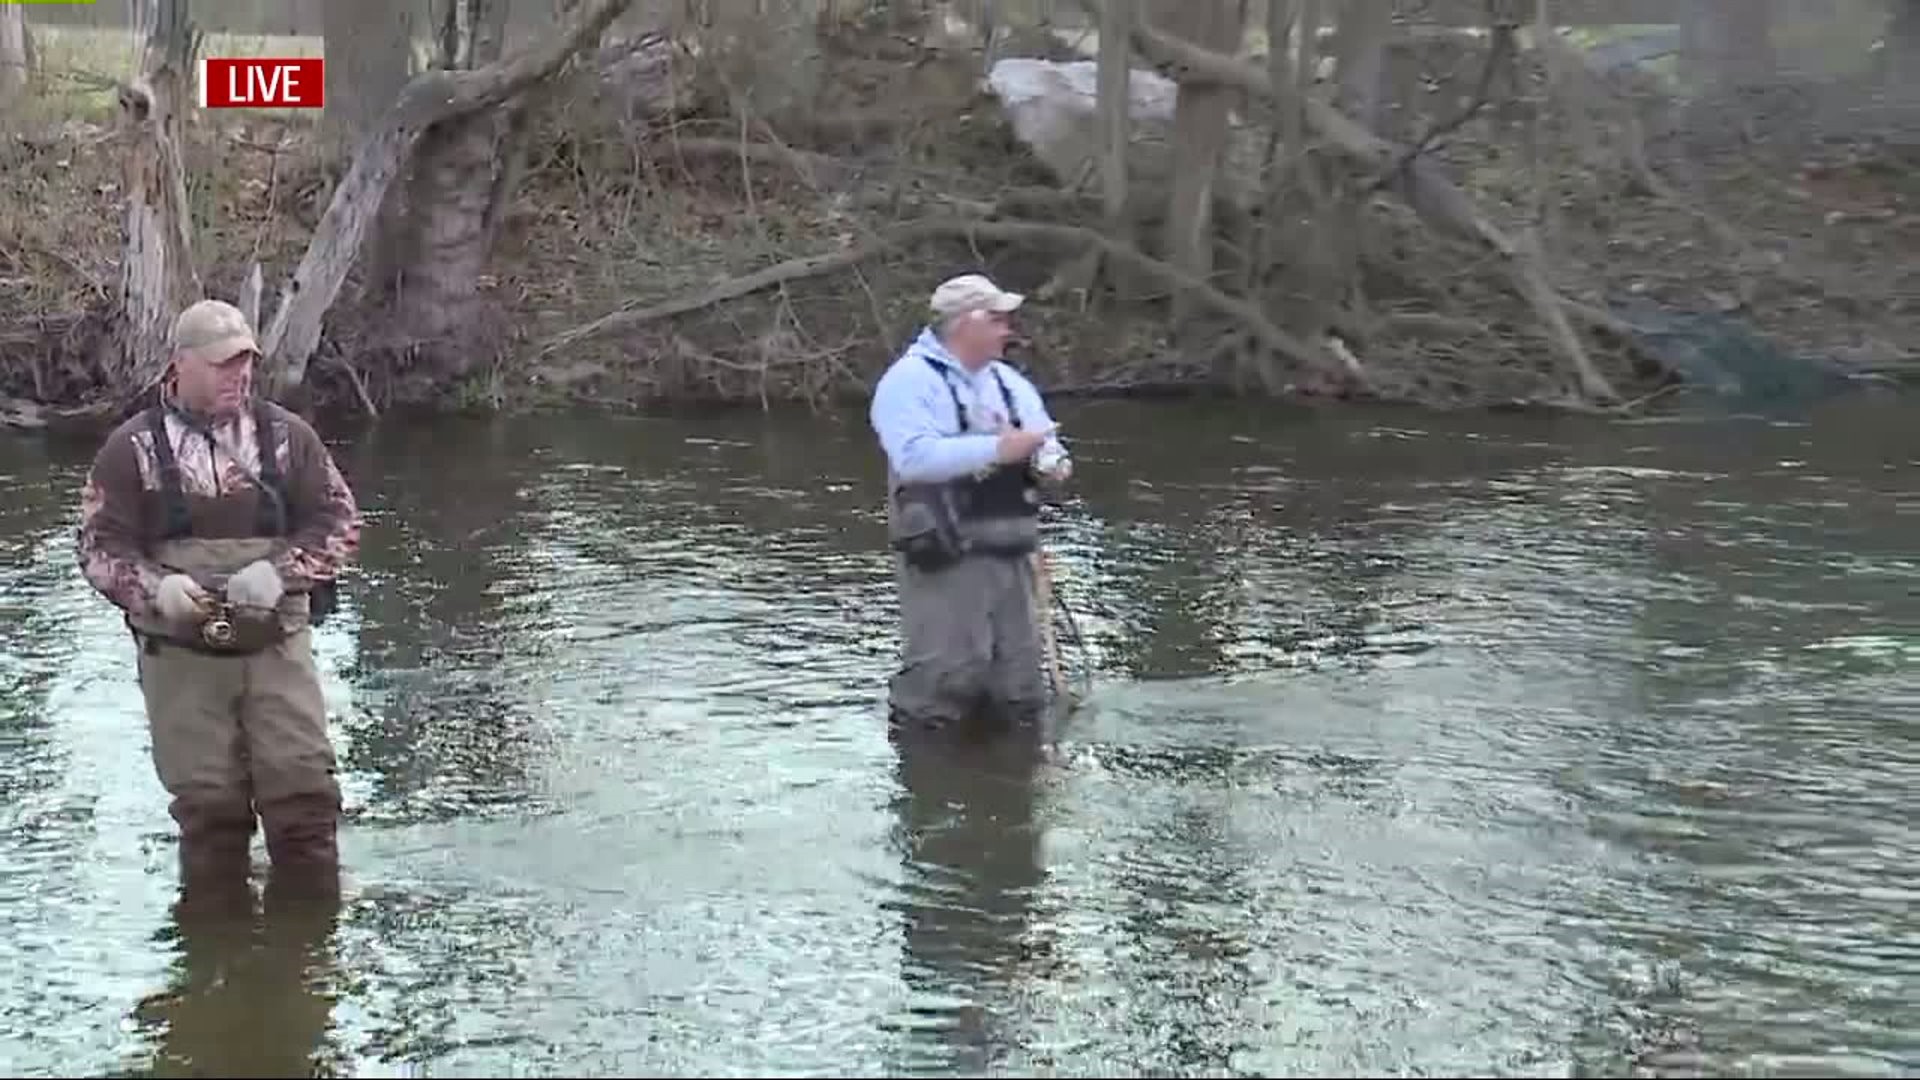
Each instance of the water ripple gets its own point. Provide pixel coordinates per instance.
(1412, 749)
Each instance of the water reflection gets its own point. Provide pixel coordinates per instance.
(971, 856)
(37, 500)
(448, 598)
(252, 992)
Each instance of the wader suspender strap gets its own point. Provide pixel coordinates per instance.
(173, 498)
(270, 517)
(1006, 395)
(271, 512)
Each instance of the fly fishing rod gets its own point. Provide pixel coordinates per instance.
(1046, 603)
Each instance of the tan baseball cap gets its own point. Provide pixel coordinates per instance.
(972, 292)
(212, 331)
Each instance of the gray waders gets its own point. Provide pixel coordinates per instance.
(972, 652)
(973, 658)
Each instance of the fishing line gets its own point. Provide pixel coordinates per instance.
(1079, 644)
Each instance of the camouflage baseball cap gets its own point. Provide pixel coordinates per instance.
(212, 331)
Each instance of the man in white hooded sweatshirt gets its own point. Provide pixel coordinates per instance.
(968, 442)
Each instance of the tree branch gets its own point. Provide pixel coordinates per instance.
(430, 98)
(1499, 50)
(1256, 323)
(1424, 188)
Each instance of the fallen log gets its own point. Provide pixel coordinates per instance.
(1247, 315)
(812, 168)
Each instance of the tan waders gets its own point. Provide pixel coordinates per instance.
(241, 730)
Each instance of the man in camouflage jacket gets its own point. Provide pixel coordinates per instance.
(218, 524)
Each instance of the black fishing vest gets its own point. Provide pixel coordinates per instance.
(1005, 491)
(270, 518)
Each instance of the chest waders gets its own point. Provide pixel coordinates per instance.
(234, 705)
(973, 655)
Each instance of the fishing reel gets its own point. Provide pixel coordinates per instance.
(234, 627)
(218, 631)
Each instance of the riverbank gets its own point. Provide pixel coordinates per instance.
(656, 256)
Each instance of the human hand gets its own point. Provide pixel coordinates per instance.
(181, 599)
(1017, 445)
(257, 585)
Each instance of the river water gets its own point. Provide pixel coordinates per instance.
(1414, 745)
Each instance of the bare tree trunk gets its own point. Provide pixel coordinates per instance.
(249, 299)
(768, 54)
(1900, 56)
(369, 49)
(1296, 72)
(430, 98)
(157, 276)
(1427, 191)
(1301, 224)
(370, 61)
(1200, 129)
(1750, 40)
(443, 237)
(1116, 114)
(1727, 43)
(1283, 136)
(1114, 133)
(14, 64)
(1360, 58)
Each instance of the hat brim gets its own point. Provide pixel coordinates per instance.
(222, 350)
(1005, 303)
